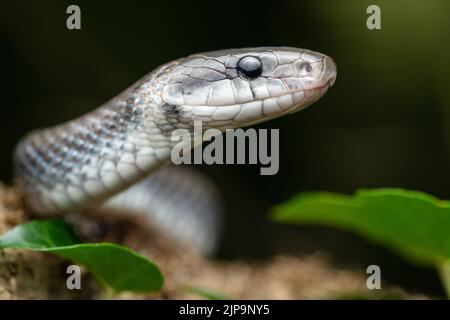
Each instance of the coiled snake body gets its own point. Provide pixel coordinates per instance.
(88, 160)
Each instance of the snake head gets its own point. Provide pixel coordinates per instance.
(240, 87)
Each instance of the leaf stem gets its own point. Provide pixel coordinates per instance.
(444, 272)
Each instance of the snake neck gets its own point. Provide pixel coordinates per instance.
(97, 155)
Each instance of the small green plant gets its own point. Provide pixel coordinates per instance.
(208, 294)
(115, 267)
(415, 224)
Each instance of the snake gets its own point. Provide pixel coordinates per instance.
(117, 154)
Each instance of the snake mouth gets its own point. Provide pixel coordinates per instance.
(311, 96)
(300, 98)
(275, 107)
(258, 110)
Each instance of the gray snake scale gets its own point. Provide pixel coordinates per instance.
(82, 163)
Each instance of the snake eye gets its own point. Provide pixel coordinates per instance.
(250, 67)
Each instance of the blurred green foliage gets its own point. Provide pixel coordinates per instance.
(412, 223)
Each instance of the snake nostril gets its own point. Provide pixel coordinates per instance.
(308, 67)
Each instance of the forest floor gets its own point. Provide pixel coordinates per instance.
(34, 275)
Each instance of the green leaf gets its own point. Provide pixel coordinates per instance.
(39, 235)
(207, 293)
(444, 270)
(413, 223)
(115, 267)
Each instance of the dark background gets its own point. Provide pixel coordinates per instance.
(385, 123)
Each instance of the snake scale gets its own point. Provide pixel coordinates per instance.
(84, 162)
